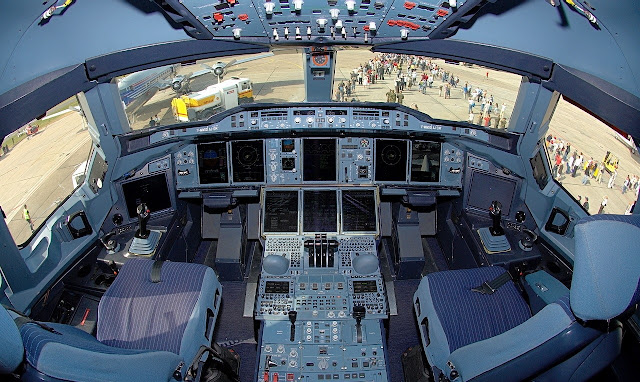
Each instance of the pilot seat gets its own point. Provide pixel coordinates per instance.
(153, 321)
(492, 333)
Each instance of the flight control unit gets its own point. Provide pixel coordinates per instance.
(321, 297)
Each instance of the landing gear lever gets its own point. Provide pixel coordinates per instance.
(495, 210)
(143, 217)
(358, 313)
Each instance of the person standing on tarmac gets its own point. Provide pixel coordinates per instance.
(27, 217)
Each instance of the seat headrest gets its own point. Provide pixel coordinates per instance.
(606, 272)
(11, 348)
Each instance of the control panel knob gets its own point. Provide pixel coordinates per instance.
(330, 119)
(236, 33)
(268, 8)
(323, 364)
(404, 34)
(309, 120)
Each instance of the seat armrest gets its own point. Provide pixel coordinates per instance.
(543, 289)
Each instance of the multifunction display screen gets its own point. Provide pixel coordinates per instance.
(320, 212)
(212, 163)
(425, 162)
(248, 161)
(358, 211)
(319, 157)
(281, 211)
(152, 190)
(391, 160)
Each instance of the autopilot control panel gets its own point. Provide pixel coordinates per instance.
(321, 296)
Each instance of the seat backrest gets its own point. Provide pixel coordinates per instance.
(137, 313)
(11, 351)
(606, 272)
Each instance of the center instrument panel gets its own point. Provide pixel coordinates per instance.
(318, 160)
(321, 297)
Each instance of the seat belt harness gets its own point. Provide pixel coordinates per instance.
(489, 287)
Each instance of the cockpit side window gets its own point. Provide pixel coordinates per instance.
(596, 163)
(41, 164)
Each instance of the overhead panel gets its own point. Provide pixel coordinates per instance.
(327, 21)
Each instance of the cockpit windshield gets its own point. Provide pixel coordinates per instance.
(445, 90)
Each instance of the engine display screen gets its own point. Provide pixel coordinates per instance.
(212, 163)
(152, 190)
(425, 162)
(358, 211)
(320, 213)
(319, 156)
(281, 211)
(247, 161)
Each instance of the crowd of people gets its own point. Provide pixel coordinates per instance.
(410, 72)
(566, 161)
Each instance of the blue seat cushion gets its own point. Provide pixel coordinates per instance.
(170, 315)
(466, 316)
(11, 350)
(75, 355)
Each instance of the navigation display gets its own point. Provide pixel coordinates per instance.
(152, 190)
(247, 161)
(425, 162)
(358, 211)
(320, 212)
(281, 211)
(212, 163)
(391, 160)
(319, 160)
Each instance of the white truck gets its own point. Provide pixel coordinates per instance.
(213, 99)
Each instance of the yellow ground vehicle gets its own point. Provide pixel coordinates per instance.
(212, 99)
(610, 162)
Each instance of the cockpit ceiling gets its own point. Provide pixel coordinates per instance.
(530, 37)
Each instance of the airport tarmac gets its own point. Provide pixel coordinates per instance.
(38, 170)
